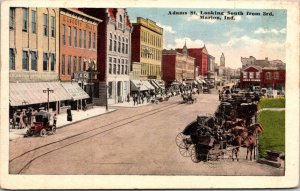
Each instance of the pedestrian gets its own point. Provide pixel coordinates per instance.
(134, 99)
(128, 97)
(69, 114)
(22, 124)
(54, 119)
(84, 105)
(142, 98)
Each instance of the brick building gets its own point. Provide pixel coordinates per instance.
(201, 59)
(78, 50)
(147, 43)
(113, 53)
(177, 66)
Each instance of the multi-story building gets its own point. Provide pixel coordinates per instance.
(33, 44)
(33, 56)
(201, 59)
(78, 50)
(113, 53)
(210, 67)
(177, 66)
(147, 45)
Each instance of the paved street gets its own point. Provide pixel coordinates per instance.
(128, 141)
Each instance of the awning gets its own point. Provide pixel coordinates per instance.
(199, 81)
(137, 85)
(32, 93)
(148, 85)
(154, 84)
(75, 91)
(161, 84)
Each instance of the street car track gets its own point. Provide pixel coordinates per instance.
(78, 138)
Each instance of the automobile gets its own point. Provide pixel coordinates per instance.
(42, 125)
(206, 89)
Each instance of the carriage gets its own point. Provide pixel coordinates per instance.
(188, 99)
(42, 125)
(203, 140)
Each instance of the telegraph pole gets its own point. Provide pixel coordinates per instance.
(48, 90)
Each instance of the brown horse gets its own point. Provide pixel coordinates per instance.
(250, 141)
(245, 137)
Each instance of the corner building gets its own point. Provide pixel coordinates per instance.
(113, 53)
(147, 45)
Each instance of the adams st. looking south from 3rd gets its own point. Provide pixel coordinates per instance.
(137, 140)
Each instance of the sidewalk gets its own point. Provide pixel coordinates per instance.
(62, 120)
(130, 104)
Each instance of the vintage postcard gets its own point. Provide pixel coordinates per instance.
(149, 94)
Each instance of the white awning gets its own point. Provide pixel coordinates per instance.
(75, 91)
(153, 82)
(32, 93)
(137, 85)
(148, 85)
(199, 81)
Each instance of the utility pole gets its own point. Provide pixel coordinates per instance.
(48, 91)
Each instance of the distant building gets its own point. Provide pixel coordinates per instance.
(177, 66)
(147, 45)
(222, 60)
(201, 59)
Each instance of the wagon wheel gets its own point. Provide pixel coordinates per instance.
(212, 159)
(43, 133)
(186, 151)
(180, 140)
(194, 155)
(53, 129)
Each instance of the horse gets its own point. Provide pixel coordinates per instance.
(245, 137)
(250, 141)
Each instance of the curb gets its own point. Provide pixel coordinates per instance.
(72, 123)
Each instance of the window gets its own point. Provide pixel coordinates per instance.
(33, 21)
(257, 75)
(110, 65)
(119, 45)
(115, 43)
(109, 89)
(25, 65)
(84, 39)
(25, 20)
(268, 75)
(118, 69)
(63, 65)
(52, 62)
(69, 65)
(115, 67)
(90, 39)
(122, 66)
(126, 48)
(94, 41)
(45, 61)
(45, 25)
(74, 64)
(64, 35)
(276, 75)
(75, 37)
(123, 48)
(251, 75)
(245, 76)
(126, 66)
(80, 38)
(110, 42)
(52, 26)
(69, 34)
(79, 63)
(12, 61)
(12, 18)
(34, 61)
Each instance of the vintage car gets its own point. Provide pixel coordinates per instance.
(206, 89)
(42, 125)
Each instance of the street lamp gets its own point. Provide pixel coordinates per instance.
(106, 98)
(48, 91)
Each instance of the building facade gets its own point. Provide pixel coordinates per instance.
(147, 43)
(114, 53)
(177, 66)
(78, 50)
(33, 44)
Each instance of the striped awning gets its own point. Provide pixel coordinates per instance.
(137, 85)
(148, 85)
(75, 91)
(32, 93)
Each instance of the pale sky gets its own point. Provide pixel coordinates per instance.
(258, 36)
